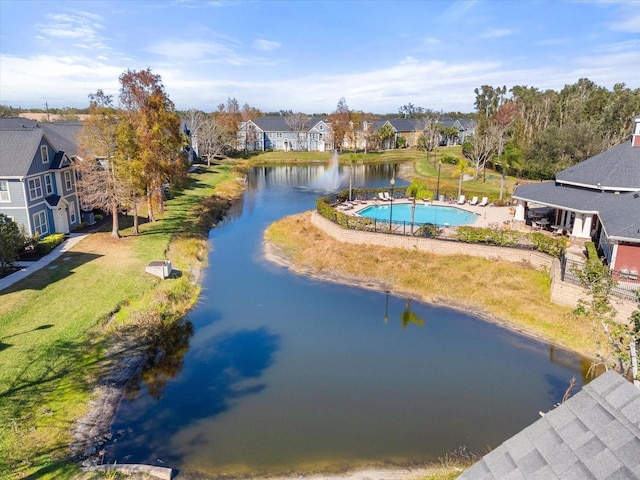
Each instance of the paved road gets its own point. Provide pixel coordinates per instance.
(31, 267)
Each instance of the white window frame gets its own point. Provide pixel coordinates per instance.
(44, 153)
(48, 184)
(5, 196)
(72, 212)
(40, 224)
(67, 180)
(35, 191)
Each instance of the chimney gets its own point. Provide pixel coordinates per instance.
(635, 136)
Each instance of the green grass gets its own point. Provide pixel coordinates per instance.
(53, 335)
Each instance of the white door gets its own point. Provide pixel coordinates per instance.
(61, 223)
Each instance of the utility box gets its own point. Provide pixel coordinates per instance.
(159, 268)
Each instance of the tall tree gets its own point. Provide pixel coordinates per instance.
(339, 120)
(157, 125)
(101, 181)
(299, 124)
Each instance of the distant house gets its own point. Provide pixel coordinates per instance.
(597, 199)
(593, 435)
(37, 180)
(274, 133)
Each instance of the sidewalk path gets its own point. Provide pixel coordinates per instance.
(31, 267)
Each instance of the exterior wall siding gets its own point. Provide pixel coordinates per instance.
(627, 257)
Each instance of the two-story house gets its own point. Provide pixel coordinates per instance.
(275, 133)
(37, 180)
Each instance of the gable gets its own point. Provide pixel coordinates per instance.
(18, 151)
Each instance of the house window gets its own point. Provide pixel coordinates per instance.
(40, 223)
(35, 188)
(44, 153)
(4, 191)
(48, 184)
(72, 212)
(67, 180)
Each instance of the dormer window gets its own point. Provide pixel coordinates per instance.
(44, 153)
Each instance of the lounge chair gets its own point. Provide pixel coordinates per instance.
(381, 196)
(461, 200)
(484, 202)
(474, 201)
(387, 196)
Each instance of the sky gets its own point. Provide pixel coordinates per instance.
(304, 55)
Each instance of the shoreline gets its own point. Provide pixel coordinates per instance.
(276, 255)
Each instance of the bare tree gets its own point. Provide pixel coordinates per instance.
(100, 172)
(299, 123)
(339, 120)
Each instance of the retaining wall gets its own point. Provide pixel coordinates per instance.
(562, 293)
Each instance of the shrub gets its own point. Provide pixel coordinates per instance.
(48, 243)
(545, 244)
(493, 235)
(449, 160)
(592, 252)
(98, 217)
(12, 240)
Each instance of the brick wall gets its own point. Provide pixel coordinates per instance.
(562, 293)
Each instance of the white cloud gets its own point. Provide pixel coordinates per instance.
(629, 24)
(497, 33)
(266, 45)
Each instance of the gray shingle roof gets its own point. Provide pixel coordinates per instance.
(617, 168)
(619, 213)
(63, 135)
(17, 148)
(593, 435)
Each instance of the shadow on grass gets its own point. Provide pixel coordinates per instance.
(57, 270)
(3, 345)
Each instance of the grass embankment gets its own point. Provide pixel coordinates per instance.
(55, 325)
(515, 294)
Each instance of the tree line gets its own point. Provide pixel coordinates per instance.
(534, 134)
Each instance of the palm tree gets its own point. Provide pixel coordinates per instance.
(417, 189)
(460, 171)
(509, 159)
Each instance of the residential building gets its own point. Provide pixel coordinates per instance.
(37, 180)
(597, 199)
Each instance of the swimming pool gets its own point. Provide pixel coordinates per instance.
(437, 215)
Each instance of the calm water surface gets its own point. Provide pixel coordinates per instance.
(274, 372)
(434, 214)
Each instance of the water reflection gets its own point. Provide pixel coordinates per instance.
(164, 360)
(236, 362)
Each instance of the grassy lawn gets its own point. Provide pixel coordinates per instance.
(54, 331)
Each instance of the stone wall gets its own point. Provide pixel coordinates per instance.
(562, 293)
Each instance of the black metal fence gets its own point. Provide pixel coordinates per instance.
(624, 287)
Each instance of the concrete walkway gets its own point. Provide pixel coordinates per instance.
(30, 267)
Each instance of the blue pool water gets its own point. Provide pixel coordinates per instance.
(436, 215)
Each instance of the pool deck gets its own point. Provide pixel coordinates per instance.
(485, 215)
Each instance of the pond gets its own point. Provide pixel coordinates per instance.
(277, 373)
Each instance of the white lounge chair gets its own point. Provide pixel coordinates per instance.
(484, 202)
(387, 196)
(461, 200)
(474, 201)
(381, 196)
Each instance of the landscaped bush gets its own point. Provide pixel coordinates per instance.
(592, 252)
(48, 243)
(545, 244)
(449, 160)
(494, 235)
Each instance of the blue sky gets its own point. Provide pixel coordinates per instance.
(305, 55)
